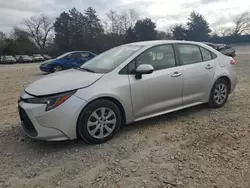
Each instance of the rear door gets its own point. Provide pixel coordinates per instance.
(198, 71)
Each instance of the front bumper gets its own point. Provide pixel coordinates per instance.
(9, 62)
(56, 124)
(45, 68)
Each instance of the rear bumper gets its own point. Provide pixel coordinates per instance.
(8, 62)
(234, 83)
(233, 78)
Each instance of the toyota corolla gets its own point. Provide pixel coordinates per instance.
(125, 84)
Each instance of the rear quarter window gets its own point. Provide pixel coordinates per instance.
(206, 55)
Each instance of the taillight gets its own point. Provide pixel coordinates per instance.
(233, 62)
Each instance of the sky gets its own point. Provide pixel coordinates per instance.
(165, 13)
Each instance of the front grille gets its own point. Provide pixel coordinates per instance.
(26, 123)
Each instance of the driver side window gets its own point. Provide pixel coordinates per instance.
(74, 56)
(160, 57)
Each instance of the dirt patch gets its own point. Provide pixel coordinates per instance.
(195, 147)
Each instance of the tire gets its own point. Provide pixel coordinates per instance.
(219, 94)
(56, 68)
(89, 127)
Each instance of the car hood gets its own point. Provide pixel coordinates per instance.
(47, 62)
(62, 81)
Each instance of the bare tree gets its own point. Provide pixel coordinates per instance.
(241, 24)
(39, 29)
(118, 23)
(222, 31)
(2, 42)
(2, 38)
(112, 22)
(129, 18)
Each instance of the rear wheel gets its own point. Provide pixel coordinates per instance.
(99, 122)
(56, 68)
(219, 94)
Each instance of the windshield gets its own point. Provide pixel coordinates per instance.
(9, 57)
(63, 55)
(109, 60)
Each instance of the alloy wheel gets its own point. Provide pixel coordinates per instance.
(101, 123)
(220, 93)
(57, 68)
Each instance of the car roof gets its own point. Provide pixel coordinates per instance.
(79, 52)
(158, 42)
(149, 44)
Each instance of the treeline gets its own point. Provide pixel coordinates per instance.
(76, 30)
(230, 39)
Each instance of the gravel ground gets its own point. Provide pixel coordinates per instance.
(195, 147)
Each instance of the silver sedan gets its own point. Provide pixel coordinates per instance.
(125, 84)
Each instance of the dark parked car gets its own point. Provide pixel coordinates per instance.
(227, 50)
(67, 61)
(223, 48)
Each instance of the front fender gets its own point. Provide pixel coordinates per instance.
(121, 95)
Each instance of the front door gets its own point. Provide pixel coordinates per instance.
(159, 91)
(198, 71)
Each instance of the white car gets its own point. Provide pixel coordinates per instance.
(8, 59)
(38, 57)
(125, 84)
(23, 58)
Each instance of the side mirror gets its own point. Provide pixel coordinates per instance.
(143, 69)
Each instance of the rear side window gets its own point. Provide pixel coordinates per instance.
(206, 54)
(190, 53)
(85, 55)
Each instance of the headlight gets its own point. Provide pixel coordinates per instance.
(51, 101)
(46, 62)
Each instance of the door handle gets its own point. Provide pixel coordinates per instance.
(209, 66)
(176, 74)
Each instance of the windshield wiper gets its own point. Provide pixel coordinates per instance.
(86, 69)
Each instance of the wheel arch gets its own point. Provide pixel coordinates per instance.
(112, 99)
(227, 79)
(56, 64)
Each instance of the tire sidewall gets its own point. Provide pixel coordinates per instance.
(52, 69)
(82, 131)
(212, 102)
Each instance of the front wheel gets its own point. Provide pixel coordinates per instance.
(56, 68)
(219, 94)
(99, 122)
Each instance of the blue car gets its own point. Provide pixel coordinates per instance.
(66, 61)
